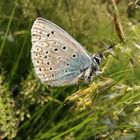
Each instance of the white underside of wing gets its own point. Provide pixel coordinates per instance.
(48, 37)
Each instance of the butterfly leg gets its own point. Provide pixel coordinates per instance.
(98, 72)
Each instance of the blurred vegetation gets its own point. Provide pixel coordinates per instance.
(109, 108)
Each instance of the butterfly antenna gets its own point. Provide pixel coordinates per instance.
(106, 50)
(99, 56)
(111, 46)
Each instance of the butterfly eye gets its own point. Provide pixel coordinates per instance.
(52, 32)
(97, 60)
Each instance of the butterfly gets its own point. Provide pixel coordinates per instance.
(58, 59)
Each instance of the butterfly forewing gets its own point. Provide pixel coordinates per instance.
(57, 58)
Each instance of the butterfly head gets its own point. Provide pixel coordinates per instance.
(97, 59)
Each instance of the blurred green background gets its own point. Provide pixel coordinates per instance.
(107, 109)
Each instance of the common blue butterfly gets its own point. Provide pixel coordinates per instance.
(58, 59)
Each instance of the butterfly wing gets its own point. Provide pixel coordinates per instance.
(58, 59)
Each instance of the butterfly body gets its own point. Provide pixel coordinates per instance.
(58, 59)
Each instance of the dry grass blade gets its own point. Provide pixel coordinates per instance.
(84, 98)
